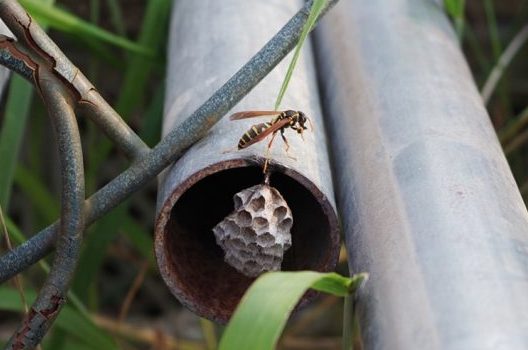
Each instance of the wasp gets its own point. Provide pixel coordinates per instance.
(295, 120)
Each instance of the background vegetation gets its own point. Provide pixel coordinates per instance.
(118, 299)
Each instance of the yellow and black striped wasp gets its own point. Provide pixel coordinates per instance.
(295, 120)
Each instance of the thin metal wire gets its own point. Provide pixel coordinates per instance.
(57, 79)
(53, 294)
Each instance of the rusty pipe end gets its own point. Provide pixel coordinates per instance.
(192, 264)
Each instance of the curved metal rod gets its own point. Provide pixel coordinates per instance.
(10, 57)
(172, 146)
(53, 293)
(46, 53)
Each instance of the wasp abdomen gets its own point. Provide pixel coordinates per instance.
(251, 134)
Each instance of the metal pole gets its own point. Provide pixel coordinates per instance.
(429, 205)
(196, 193)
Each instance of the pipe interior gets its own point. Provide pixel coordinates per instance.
(197, 264)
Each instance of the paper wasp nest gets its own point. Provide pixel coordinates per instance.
(256, 234)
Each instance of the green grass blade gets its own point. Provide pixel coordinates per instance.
(18, 105)
(496, 74)
(514, 127)
(116, 16)
(263, 311)
(315, 11)
(18, 237)
(69, 344)
(56, 340)
(348, 316)
(503, 92)
(94, 44)
(95, 250)
(67, 22)
(97, 242)
(140, 239)
(493, 30)
(44, 202)
(455, 9)
(16, 114)
(477, 51)
(152, 119)
(69, 320)
(95, 10)
(209, 334)
(138, 71)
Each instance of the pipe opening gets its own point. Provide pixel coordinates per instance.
(195, 267)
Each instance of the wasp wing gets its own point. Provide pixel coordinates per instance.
(271, 129)
(252, 114)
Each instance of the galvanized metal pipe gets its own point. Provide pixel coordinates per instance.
(196, 193)
(429, 205)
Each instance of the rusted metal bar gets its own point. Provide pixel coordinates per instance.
(53, 294)
(172, 145)
(429, 205)
(4, 73)
(197, 192)
(44, 50)
(12, 62)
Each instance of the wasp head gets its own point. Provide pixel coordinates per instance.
(301, 120)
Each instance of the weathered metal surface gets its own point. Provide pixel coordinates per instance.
(172, 145)
(53, 294)
(430, 208)
(196, 193)
(42, 51)
(4, 72)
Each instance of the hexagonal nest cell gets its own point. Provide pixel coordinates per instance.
(256, 234)
(192, 263)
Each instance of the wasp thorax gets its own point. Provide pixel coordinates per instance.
(256, 234)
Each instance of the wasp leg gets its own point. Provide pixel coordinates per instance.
(268, 153)
(285, 141)
(272, 138)
(299, 130)
(268, 149)
(265, 168)
(287, 145)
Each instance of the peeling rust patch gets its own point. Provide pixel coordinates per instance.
(10, 45)
(51, 62)
(39, 59)
(56, 302)
(20, 336)
(35, 319)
